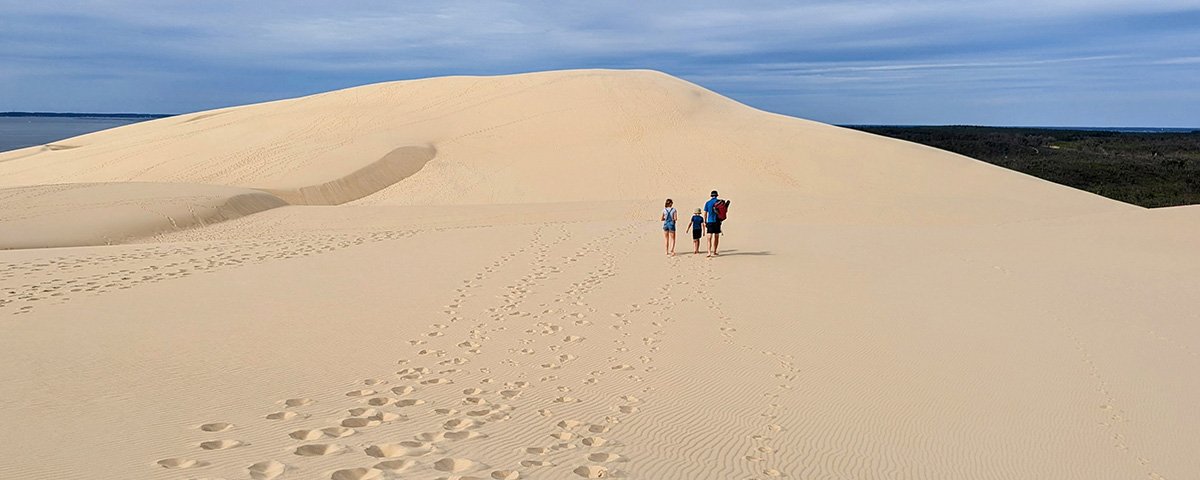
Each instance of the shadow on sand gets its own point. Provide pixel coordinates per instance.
(734, 253)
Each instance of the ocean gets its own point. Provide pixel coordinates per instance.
(30, 130)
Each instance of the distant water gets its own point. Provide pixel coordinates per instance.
(27, 131)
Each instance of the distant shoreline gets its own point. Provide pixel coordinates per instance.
(84, 115)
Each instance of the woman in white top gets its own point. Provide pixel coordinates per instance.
(669, 215)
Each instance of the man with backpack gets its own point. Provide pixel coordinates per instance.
(715, 211)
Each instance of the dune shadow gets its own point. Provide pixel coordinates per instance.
(734, 253)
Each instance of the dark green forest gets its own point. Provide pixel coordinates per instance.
(1147, 169)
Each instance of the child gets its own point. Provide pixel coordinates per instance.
(669, 215)
(697, 225)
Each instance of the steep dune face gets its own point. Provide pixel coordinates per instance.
(546, 137)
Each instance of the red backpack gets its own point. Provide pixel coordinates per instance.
(722, 209)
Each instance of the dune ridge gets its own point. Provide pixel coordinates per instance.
(393, 167)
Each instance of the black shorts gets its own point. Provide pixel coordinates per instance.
(696, 234)
(714, 227)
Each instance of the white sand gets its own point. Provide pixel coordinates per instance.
(489, 298)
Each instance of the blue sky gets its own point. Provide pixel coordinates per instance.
(1014, 62)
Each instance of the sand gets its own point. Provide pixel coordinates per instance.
(469, 282)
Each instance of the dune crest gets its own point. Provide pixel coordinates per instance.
(393, 167)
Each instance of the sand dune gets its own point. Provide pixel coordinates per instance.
(546, 137)
(469, 283)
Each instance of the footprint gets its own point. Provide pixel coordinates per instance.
(409, 402)
(360, 473)
(220, 444)
(591, 471)
(506, 474)
(405, 390)
(473, 391)
(459, 424)
(337, 432)
(361, 393)
(771, 472)
(594, 441)
(174, 463)
(606, 457)
(457, 436)
(216, 427)
(306, 434)
(267, 470)
(445, 411)
(283, 416)
(360, 422)
(317, 450)
(362, 411)
(536, 463)
(380, 401)
(454, 464)
(395, 466)
(298, 402)
(628, 409)
(598, 428)
(437, 381)
(573, 338)
(387, 417)
(402, 449)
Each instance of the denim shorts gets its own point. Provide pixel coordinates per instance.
(669, 227)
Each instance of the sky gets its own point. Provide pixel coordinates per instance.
(905, 62)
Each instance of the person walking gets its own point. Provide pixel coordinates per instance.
(713, 224)
(697, 225)
(669, 216)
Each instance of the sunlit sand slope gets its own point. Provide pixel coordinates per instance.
(543, 137)
(68, 215)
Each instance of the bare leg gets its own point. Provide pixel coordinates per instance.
(716, 243)
(696, 243)
(667, 240)
(710, 239)
(671, 244)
